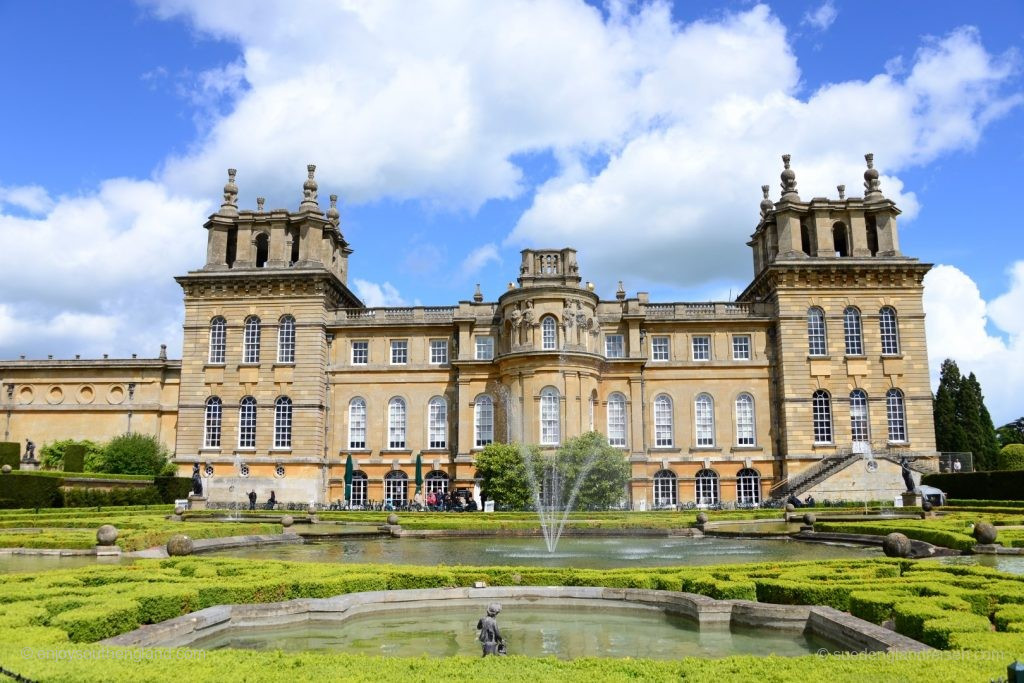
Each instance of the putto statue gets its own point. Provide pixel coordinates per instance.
(490, 636)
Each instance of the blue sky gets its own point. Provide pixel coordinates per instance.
(458, 134)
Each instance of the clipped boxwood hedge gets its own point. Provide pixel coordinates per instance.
(10, 454)
(992, 485)
(74, 458)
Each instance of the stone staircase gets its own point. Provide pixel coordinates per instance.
(813, 476)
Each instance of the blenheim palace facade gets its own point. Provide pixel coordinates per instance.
(821, 362)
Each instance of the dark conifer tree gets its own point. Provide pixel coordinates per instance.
(949, 433)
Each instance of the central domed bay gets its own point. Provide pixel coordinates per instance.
(574, 551)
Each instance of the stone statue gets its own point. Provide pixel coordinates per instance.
(30, 451)
(908, 478)
(197, 481)
(490, 636)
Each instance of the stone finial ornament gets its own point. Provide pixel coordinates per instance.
(872, 185)
(260, 201)
(767, 205)
(230, 205)
(333, 215)
(309, 188)
(620, 293)
(478, 296)
(163, 352)
(842, 191)
(788, 178)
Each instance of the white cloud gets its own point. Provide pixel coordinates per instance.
(477, 259)
(957, 326)
(822, 16)
(32, 198)
(373, 294)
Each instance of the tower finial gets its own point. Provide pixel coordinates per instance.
(309, 188)
(230, 205)
(478, 296)
(842, 191)
(872, 185)
(332, 213)
(260, 201)
(767, 205)
(620, 293)
(788, 181)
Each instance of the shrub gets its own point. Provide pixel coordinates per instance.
(171, 488)
(52, 455)
(74, 458)
(10, 454)
(1011, 457)
(994, 485)
(134, 454)
(87, 498)
(937, 632)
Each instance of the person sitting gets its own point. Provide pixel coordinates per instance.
(388, 505)
(471, 505)
(809, 502)
(272, 501)
(794, 501)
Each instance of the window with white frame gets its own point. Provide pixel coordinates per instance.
(360, 352)
(218, 340)
(659, 348)
(485, 348)
(617, 420)
(821, 416)
(550, 422)
(896, 415)
(213, 420)
(438, 351)
(548, 334)
(247, 423)
(251, 340)
(437, 423)
(852, 332)
(359, 486)
(396, 423)
(741, 347)
(889, 330)
(859, 430)
(706, 487)
(283, 422)
(614, 346)
(701, 345)
(748, 487)
(666, 487)
(663, 437)
(745, 435)
(436, 481)
(357, 424)
(286, 339)
(396, 487)
(704, 416)
(817, 343)
(399, 351)
(483, 419)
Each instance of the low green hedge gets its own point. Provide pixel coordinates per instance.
(991, 485)
(917, 531)
(26, 490)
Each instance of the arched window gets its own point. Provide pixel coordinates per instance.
(817, 343)
(704, 416)
(286, 340)
(293, 236)
(663, 421)
(262, 249)
(396, 487)
(617, 420)
(283, 423)
(821, 412)
(745, 434)
(859, 430)
(839, 241)
(889, 331)
(665, 488)
(212, 421)
(706, 488)
(218, 340)
(548, 333)
(748, 487)
(251, 340)
(436, 482)
(357, 424)
(872, 230)
(851, 332)
(806, 245)
(247, 423)
(396, 423)
(483, 419)
(896, 415)
(359, 482)
(550, 422)
(437, 423)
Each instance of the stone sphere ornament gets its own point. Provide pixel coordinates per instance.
(896, 545)
(179, 545)
(393, 519)
(287, 521)
(180, 510)
(790, 507)
(106, 535)
(985, 533)
(927, 506)
(6, 469)
(809, 519)
(311, 509)
(702, 518)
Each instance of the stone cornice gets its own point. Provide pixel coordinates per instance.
(268, 282)
(844, 273)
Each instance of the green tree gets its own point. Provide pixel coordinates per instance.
(502, 468)
(51, 455)
(1011, 457)
(977, 424)
(949, 431)
(135, 454)
(1011, 432)
(605, 482)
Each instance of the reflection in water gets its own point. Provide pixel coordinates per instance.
(1012, 564)
(564, 632)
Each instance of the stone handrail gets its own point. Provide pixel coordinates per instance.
(703, 311)
(414, 314)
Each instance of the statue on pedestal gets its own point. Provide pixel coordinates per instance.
(30, 451)
(908, 478)
(197, 481)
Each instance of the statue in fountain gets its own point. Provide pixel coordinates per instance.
(490, 636)
(197, 481)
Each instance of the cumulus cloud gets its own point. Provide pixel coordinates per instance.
(374, 294)
(32, 198)
(822, 16)
(477, 259)
(958, 325)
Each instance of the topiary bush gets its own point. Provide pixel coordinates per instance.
(1011, 457)
(10, 454)
(74, 458)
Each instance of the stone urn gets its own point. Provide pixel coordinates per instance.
(106, 535)
(179, 545)
(287, 521)
(985, 533)
(393, 519)
(896, 545)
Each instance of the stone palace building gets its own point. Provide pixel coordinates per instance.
(815, 379)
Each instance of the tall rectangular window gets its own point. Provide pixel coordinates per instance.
(286, 340)
(889, 331)
(251, 340)
(659, 348)
(741, 347)
(817, 344)
(550, 422)
(437, 426)
(357, 424)
(614, 346)
(360, 352)
(702, 347)
(484, 348)
(617, 420)
(247, 423)
(399, 351)
(438, 351)
(744, 420)
(704, 413)
(283, 423)
(218, 340)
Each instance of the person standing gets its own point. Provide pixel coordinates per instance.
(490, 636)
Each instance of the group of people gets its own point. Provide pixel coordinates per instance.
(446, 502)
(269, 505)
(796, 502)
